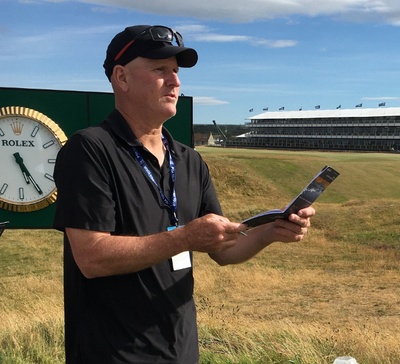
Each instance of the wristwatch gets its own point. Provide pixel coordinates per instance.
(29, 144)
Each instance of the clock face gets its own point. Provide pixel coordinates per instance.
(29, 144)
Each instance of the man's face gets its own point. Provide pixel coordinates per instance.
(153, 87)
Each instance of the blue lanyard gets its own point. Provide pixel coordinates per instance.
(174, 204)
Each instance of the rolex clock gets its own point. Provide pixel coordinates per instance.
(29, 143)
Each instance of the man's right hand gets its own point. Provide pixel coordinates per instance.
(210, 234)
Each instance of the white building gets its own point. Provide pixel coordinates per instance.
(341, 129)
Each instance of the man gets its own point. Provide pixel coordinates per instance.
(134, 204)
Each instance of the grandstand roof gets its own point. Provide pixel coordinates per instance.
(337, 113)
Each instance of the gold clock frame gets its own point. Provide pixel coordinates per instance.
(10, 111)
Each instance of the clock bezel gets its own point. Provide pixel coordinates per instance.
(59, 135)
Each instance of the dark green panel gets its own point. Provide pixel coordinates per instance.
(72, 111)
(65, 108)
(41, 219)
(100, 105)
(179, 126)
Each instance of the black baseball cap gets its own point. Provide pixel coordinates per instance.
(154, 42)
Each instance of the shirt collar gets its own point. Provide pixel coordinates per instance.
(121, 128)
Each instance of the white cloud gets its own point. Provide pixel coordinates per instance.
(106, 10)
(202, 33)
(48, 43)
(280, 43)
(250, 10)
(208, 101)
(381, 98)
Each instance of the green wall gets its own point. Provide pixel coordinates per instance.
(73, 110)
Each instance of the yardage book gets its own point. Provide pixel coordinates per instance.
(318, 185)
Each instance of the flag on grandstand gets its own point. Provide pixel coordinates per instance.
(359, 105)
(339, 107)
(382, 104)
(251, 110)
(266, 109)
(318, 106)
(282, 108)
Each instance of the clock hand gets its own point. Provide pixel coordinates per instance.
(25, 172)
(35, 184)
(20, 162)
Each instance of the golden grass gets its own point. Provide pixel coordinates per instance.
(340, 287)
(317, 290)
(336, 293)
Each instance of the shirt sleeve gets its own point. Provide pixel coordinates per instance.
(210, 202)
(84, 195)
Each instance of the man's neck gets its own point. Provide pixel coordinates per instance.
(150, 136)
(153, 143)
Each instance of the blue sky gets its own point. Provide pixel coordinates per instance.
(253, 54)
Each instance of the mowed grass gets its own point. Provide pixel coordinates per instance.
(335, 293)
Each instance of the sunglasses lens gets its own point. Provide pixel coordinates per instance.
(162, 34)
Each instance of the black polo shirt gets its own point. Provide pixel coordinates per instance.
(143, 317)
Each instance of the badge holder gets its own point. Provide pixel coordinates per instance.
(181, 260)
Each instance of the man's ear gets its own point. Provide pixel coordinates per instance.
(119, 76)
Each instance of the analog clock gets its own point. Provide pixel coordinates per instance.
(29, 143)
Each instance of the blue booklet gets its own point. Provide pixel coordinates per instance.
(318, 185)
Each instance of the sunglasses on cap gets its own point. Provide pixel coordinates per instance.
(156, 33)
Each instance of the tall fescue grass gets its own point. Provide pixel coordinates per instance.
(336, 293)
(31, 297)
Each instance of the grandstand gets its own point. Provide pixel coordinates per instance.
(341, 129)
